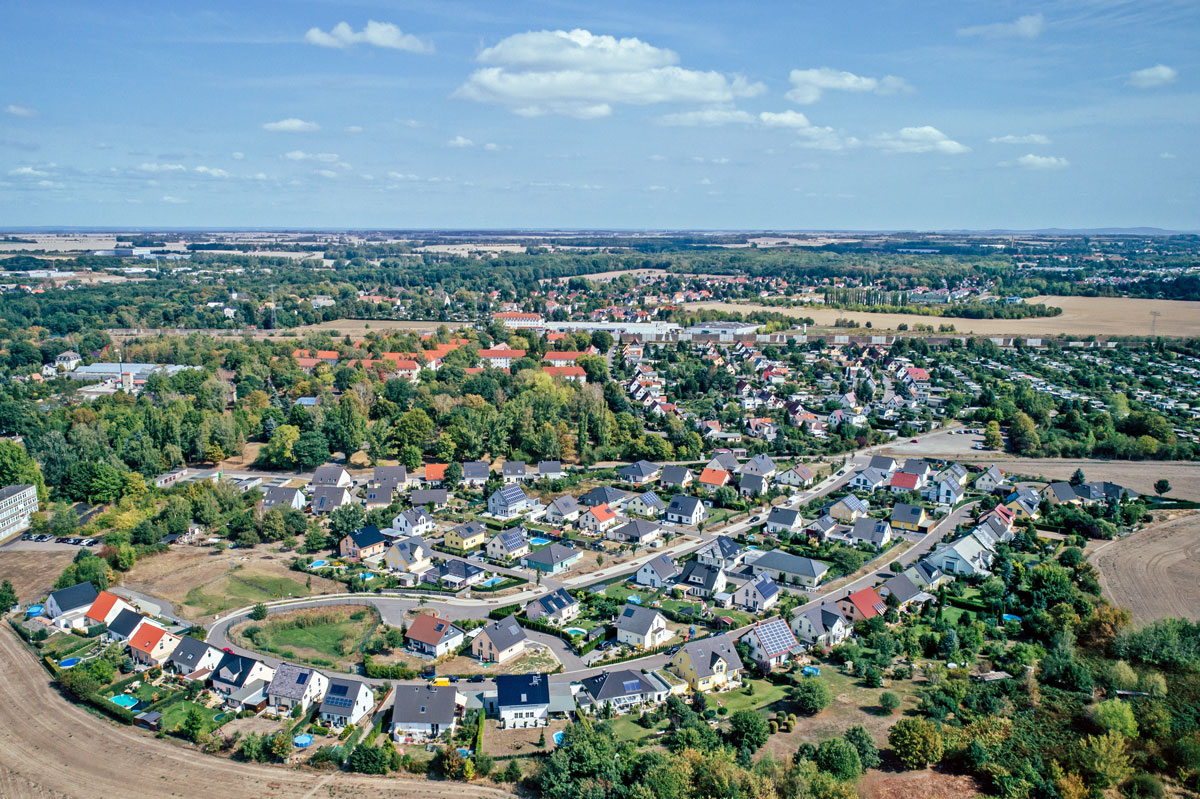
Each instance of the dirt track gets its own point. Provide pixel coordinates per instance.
(52, 748)
(1155, 573)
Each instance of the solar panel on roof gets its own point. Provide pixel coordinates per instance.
(632, 685)
(337, 701)
(301, 678)
(338, 690)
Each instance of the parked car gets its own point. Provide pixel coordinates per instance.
(475, 678)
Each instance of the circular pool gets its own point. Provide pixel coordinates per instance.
(302, 741)
(34, 610)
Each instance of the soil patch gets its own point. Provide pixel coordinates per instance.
(1154, 572)
(33, 572)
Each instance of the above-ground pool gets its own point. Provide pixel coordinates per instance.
(539, 541)
(575, 631)
(34, 610)
(489, 582)
(316, 564)
(123, 700)
(68, 663)
(368, 576)
(302, 741)
(558, 736)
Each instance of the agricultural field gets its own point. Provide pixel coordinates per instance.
(200, 582)
(328, 636)
(1081, 316)
(1155, 572)
(33, 572)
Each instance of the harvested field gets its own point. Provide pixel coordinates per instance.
(199, 583)
(926, 784)
(51, 748)
(1155, 572)
(33, 572)
(1081, 316)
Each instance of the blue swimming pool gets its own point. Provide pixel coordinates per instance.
(34, 610)
(302, 741)
(68, 663)
(558, 736)
(316, 564)
(539, 541)
(123, 700)
(575, 631)
(489, 582)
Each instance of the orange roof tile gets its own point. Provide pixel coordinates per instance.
(146, 637)
(714, 477)
(435, 471)
(101, 607)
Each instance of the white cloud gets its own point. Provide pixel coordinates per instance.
(1032, 161)
(656, 188)
(492, 147)
(151, 167)
(20, 111)
(376, 34)
(1166, 155)
(1152, 77)
(327, 173)
(300, 155)
(1028, 26)
(784, 119)
(403, 176)
(658, 157)
(708, 117)
(460, 141)
(260, 175)
(923, 139)
(49, 184)
(27, 172)
(1028, 138)
(353, 128)
(238, 156)
(167, 198)
(582, 75)
(291, 125)
(809, 84)
(212, 172)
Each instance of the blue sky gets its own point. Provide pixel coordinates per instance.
(714, 115)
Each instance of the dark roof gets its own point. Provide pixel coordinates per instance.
(663, 566)
(723, 547)
(555, 601)
(612, 685)
(429, 496)
(459, 568)
(638, 470)
(783, 516)
(514, 468)
(475, 470)
(125, 623)
(674, 475)
(764, 584)
(187, 652)
(234, 669)
(683, 504)
(601, 495)
(81, 595)
(424, 704)
(707, 651)
(882, 462)
(872, 530)
(367, 536)
(522, 690)
(779, 561)
(696, 573)
(549, 467)
(903, 512)
(552, 555)
(291, 681)
(511, 494)
(902, 588)
(505, 632)
(511, 540)
(340, 696)
(636, 530)
(635, 619)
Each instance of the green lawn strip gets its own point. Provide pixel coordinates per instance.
(174, 714)
(626, 728)
(765, 694)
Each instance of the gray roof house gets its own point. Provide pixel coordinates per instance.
(423, 712)
(686, 510)
(295, 686)
(700, 580)
(192, 655)
(555, 607)
(639, 473)
(641, 627)
(656, 572)
(552, 559)
(284, 497)
(623, 690)
(722, 552)
(638, 531)
(786, 567)
(675, 477)
(784, 520)
(475, 472)
(563, 509)
(514, 470)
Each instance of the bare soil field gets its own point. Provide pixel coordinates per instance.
(199, 582)
(1155, 572)
(354, 327)
(1081, 316)
(52, 749)
(926, 784)
(518, 741)
(33, 572)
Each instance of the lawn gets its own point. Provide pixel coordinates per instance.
(238, 590)
(323, 636)
(626, 728)
(173, 715)
(765, 695)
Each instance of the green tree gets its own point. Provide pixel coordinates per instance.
(811, 696)
(126, 557)
(747, 730)
(1078, 478)
(346, 519)
(838, 757)
(868, 754)
(513, 772)
(281, 746)
(314, 540)
(193, 725)
(17, 467)
(279, 451)
(1104, 759)
(310, 450)
(1024, 435)
(991, 435)
(889, 702)
(1115, 716)
(916, 742)
(1162, 486)
(8, 596)
(259, 612)
(369, 760)
(453, 474)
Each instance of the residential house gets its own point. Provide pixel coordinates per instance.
(563, 510)
(722, 552)
(509, 502)
(641, 628)
(605, 495)
(760, 465)
(550, 470)
(459, 574)
(675, 477)
(236, 672)
(345, 703)
(466, 537)
(68, 606)
(783, 520)
(522, 700)
(926, 576)
(514, 471)
(700, 580)
(883, 464)
(642, 472)
(771, 642)
(624, 690)
(597, 519)
(150, 645)
(712, 479)
(475, 473)
(799, 476)
(124, 625)
(907, 594)
(284, 497)
(990, 480)
(647, 504)
(366, 542)
(295, 686)
(326, 499)
(499, 641)
(193, 658)
(429, 497)
(657, 572)
(508, 545)
(331, 475)
(412, 522)
(869, 480)
(723, 460)
(944, 491)
(686, 510)
(637, 532)
(821, 528)
(433, 635)
(557, 608)
(862, 604)
(104, 609)
(821, 625)
(788, 568)
(709, 664)
(758, 594)
(552, 559)
(909, 518)
(904, 483)
(752, 485)
(848, 508)
(1061, 493)
(866, 530)
(435, 474)
(423, 712)
(968, 555)
(408, 555)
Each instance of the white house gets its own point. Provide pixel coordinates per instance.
(346, 702)
(641, 628)
(295, 686)
(656, 572)
(423, 712)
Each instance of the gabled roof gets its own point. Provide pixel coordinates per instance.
(881, 462)
(867, 602)
(424, 704)
(636, 619)
(522, 690)
(549, 467)
(663, 566)
(784, 516)
(470, 529)
(125, 623)
(367, 536)
(80, 595)
(280, 495)
(779, 561)
(555, 601)
(822, 617)
(510, 495)
(637, 530)
(763, 584)
(651, 500)
(460, 569)
(475, 470)
(101, 607)
(603, 495)
(147, 637)
(873, 530)
(852, 503)
(511, 540)
(725, 460)
(565, 505)
(905, 480)
(602, 513)
(639, 470)
(552, 555)
(514, 469)
(291, 681)
(696, 573)
(774, 637)
(234, 669)
(707, 652)
(714, 477)
(429, 496)
(683, 504)
(759, 464)
(341, 695)
(675, 475)
(902, 588)
(612, 685)
(189, 652)
(909, 514)
(722, 547)
(505, 633)
(430, 629)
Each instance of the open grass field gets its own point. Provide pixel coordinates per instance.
(1154, 572)
(316, 635)
(33, 572)
(1081, 316)
(200, 583)
(174, 714)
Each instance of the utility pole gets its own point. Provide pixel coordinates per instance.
(1154, 321)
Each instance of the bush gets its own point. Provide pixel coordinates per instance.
(916, 742)
(1143, 786)
(369, 760)
(811, 696)
(889, 702)
(839, 758)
